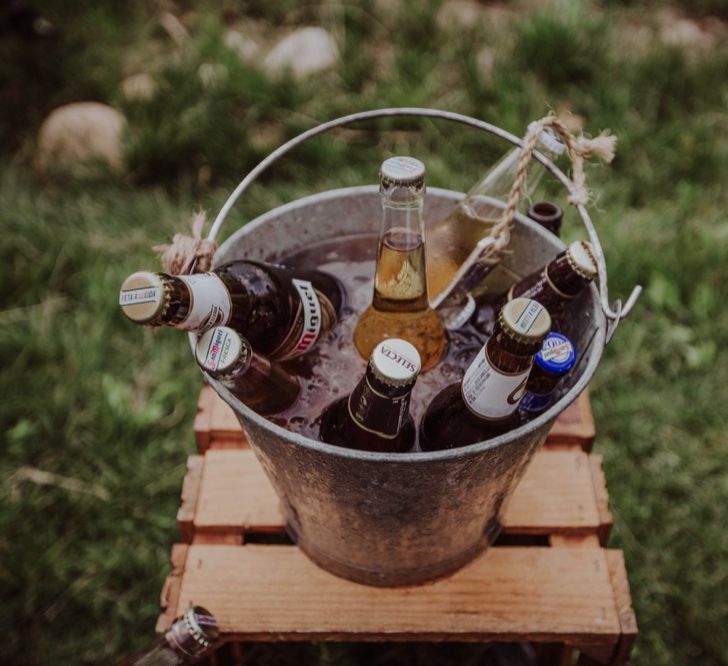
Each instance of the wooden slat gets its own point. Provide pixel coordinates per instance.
(217, 426)
(235, 494)
(575, 425)
(190, 493)
(627, 619)
(601, 494)
(169, 597)
(556, 495)
(276, 593)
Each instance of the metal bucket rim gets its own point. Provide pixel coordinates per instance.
(598, 344)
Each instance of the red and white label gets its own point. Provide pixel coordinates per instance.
(489, 392)
(210, 304)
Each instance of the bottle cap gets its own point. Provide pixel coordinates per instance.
(221, 349)
(524, 320)
(402, 170)
(143, 297)
(557, 354)
(395, 362)
(551, 141)
(580, 255)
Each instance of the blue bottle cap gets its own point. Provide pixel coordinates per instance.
(557, 354)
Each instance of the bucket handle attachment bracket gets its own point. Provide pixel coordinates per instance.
(614, 313)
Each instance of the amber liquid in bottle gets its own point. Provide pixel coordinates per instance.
(400, 305)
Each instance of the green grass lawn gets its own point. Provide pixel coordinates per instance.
(96, 415)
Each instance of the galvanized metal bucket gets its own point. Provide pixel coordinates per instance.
(398, 519)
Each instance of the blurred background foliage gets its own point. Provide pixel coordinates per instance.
(96, 416)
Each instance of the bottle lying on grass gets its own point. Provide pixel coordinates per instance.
(187, 641)
(485, 403)
(376, 415)
(262, 385)
(281, 312)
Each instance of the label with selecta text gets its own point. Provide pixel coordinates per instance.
(489, 392)
(314, 314)
(210, 303)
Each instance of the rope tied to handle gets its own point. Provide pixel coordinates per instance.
(188, 254)
(579, 150)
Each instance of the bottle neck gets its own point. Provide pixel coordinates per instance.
(195, 302)
(379, 410)
(400, 283)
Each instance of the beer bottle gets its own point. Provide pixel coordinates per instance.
(556, 357)
(376, 416)
(452, 240)
(561, 280)
(484, 404)
(187, 641)
(548, 215)
(400, 306)
(281, 312)
(262, 385)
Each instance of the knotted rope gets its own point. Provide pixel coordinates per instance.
(188, 254)
(579, 149)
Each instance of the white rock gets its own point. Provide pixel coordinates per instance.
(304, 52)
(247, 49)
(139, 87)
(76, 136)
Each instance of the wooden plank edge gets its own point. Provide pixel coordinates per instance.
(625, 611)
(169, 596)
(203, 423)
(601, 495)
(190, 493)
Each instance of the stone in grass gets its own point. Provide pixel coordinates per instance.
(246, 48)
(77, 137)
(305, 52)
(139, 87)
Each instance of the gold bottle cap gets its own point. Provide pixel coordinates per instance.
(402, 170)
(395, 362)
(143, 297)
(525, 320)
(580, 255)
(221, 349)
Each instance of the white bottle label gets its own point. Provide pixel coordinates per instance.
(490, 393)
(210, 302)
(307, 323)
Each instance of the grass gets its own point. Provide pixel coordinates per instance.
(89, 398)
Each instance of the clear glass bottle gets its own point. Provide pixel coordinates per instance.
(187, 641)
(262, 385)
(400, 304)
(376, 416)
(485, 403)
(452, 240)
(281, 312)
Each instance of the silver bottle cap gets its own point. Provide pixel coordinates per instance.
(221, 349)
(143, 297)
(403, 171)
(395, 362)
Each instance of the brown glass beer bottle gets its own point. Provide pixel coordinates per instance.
(262, 385)
(376, 416)
(281, 312)
(189, 639)
(548, 215)
(400, 305)
(560, 281)
(484, 404)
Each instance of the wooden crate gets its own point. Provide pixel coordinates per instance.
(548, 580)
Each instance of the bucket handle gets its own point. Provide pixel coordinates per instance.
(614, 313)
